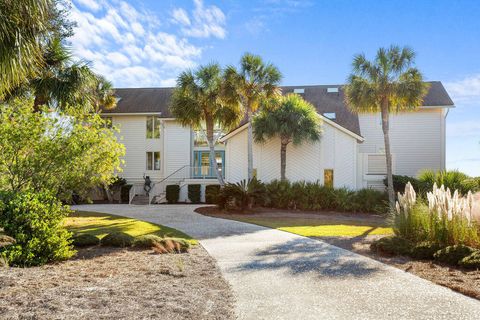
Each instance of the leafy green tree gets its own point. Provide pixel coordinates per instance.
(54, 152)
(199, 100)
(388, 84)
(254, 82)
(292, 119)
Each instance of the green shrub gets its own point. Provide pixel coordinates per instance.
(370, 201)
(399, 183)
(472, 261)
(118, 239)
(194, 193)
(278, 194)
(424, 250)
(454, 180)
(85, 240)
(242, 194)
(453, 254)
(392, 246)
(35, 221)
(172, 193)
(146, 241)
(211, 193)
(413, 225)
(125, 193)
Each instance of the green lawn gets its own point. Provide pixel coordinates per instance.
(99, 224)
(319, 227)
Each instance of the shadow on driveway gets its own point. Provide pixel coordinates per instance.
(299, 256)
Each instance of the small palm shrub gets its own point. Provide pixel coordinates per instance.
(279, 194)
(453, 180)
(85, 240)
(194, 193)
(370, 200)
(35, 221)
(118, 239)
(211, 193)
(445, 219)
(172, 193)
(242, 195)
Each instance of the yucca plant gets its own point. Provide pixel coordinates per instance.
(453, 179)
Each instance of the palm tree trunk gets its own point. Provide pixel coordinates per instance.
(211, 145)
(388, 155)
(250, 144)
(283, 160)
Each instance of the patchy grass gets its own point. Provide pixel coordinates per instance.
(100, 224)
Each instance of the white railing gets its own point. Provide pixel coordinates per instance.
(178, 176)
(131, 194)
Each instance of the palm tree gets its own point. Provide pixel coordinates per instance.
(254, 82)
(23, 26)
(389, 83)
(62, 82)
(292, 119)
(199, 100)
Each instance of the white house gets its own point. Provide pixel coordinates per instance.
(350, 153)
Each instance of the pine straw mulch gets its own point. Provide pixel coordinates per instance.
(464, 281)
(109, 283)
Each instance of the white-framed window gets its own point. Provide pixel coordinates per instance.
(153, 160)
(153, 127)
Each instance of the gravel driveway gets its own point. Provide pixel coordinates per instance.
(278, 275)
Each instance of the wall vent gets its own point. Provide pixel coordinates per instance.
(299, 90)
(332, 90)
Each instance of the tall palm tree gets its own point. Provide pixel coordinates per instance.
(254, 82)
(62, 81)
(292, 119)
(199, 101)
(388, 84)
(23, 27)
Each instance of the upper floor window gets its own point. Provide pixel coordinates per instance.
(200, 140)
(153, 127)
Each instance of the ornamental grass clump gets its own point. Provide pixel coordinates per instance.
(445, 219)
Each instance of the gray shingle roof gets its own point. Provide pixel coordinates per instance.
(149, 100)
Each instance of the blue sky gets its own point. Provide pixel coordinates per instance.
(147, 43)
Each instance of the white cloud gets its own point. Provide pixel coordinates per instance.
(465, 91)
(180, 16)
(93, 5)
(206, 21)
(129, 46)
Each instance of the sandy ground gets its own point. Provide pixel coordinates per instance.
(107, 283)
(460, 280)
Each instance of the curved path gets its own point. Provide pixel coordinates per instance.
(278, 275)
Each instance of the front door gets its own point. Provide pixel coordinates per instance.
(203, 165)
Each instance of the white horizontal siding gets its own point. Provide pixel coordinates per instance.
(336, 150)
(416, 139)
(177, 141)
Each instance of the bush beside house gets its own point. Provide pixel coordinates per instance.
(172, 192)
(194, 193)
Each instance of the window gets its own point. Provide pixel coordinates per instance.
(153, 160)
(108, 122)
(153, 127)
(328, 178)
(199, 139)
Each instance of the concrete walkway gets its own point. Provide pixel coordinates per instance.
(278, 275)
